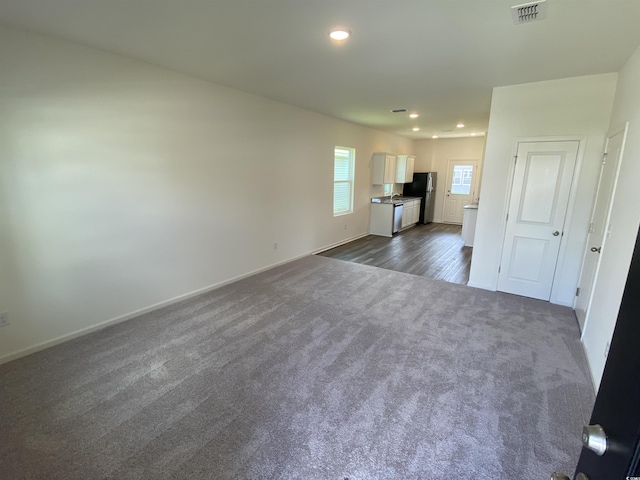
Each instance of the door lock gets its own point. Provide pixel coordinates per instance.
(594, 438)
(596, 249)
(556, 233)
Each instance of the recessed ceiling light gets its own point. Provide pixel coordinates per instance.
(415, 129)
(460, 125)
(413, 115)
(340, 33)
(473, 134)
(435, 136)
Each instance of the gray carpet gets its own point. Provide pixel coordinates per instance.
(318, 369)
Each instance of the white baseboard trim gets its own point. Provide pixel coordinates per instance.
(342, 242)
(127, 316)
(493, 289)
(562, 303)
(481, 286)
(594, 380)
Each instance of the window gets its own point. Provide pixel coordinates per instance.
(343, 165)
(461, 181)
(388, 188)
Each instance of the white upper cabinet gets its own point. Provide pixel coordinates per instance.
(404, 168)
(384, 168)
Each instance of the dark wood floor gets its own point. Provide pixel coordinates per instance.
(435, 251)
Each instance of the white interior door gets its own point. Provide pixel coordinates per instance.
(460, 189)
(599, 221)
(537, 208)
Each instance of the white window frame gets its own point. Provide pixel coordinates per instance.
(349, 180)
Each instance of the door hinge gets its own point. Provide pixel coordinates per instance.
(507, 219)
(592, 228)
(499, 268)
(578, 292)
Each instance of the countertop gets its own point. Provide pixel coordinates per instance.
(396, 200)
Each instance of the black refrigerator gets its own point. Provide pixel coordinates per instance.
(423, 186)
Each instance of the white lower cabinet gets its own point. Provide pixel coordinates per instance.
(411, 213)
(469, 224)
(381, 220)
(416, 211)
(407, 214)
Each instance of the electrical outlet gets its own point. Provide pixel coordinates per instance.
(345, 226)
(275, 245)
(4, 319)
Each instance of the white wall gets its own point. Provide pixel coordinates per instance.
(123, 185)
(424, 155)
(572, 107)
(440, 151)
(625, 220)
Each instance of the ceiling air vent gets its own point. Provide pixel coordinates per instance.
(399, 110)
(529, 12)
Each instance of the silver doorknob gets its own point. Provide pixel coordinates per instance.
(562, 476)
(556, 233)
(594, 438)
(596, 249)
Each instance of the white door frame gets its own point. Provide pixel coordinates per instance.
(562, 253)
(589, 294)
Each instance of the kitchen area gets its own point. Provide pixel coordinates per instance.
(406, 231)
(396, 212)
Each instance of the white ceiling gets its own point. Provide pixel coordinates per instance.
(439, 58)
